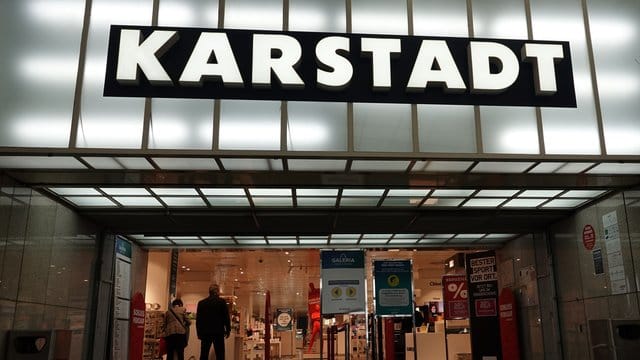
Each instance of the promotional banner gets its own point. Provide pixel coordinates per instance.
(343, 282)
(456, 298)
(509, 326)
(394, 295)
(284, 319)
(136, 327)
(483, 300)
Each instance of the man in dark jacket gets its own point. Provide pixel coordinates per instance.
(212, 323)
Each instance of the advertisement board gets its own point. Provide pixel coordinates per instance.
(343, 282)
(393, 286)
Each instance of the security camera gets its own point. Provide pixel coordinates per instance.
(260, 260)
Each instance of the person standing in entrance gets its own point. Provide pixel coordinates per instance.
(213, 324)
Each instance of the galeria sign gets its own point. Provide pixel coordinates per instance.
(308, 66)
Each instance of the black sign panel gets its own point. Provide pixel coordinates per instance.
(483, 301)
(175, 54)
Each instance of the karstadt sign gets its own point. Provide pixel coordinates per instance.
(267, 65)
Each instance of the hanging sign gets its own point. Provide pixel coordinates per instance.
(393, 285)
(343, 282)
(177, 62)
(284, 319)
(456, 299)
(483, 299)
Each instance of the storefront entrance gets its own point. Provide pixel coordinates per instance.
(291, 279)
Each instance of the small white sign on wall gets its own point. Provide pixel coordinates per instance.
(617, 278)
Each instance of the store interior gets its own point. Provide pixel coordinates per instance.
(246, 276)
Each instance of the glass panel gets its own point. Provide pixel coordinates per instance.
(137, 201)
(445, 202)
(564, 203)
(194, 13)
(574, 168)
(40, 162)
(615, 169)
(614, 34)
(109, 122)
(360, 201)
(316, 201)
(408, 192)
(402, 201)
(250, 240)
(125, 191)
(362, 192)
(540, 193)
(448, 166)
(379, 165)
(505, 129)
(483, 202)
(188, 241)
(272, 201)
(431, 241)
(440, 18)
(224, 191)
(111, 163)
(496, 193)
(317, 126)
(447, 128)
(501, 167)
(270, 192)
(181, 124)
(382, 127)
(583, 193)
(90, 201)
(228, 201)
(186, 163)
(174, 191)
(568, 131)
(524, 203)
(218, 240)
(154, 242)
(546, 168)
(183, 201)
(373, 241)
(379, 17)
(318, 15)
(452, 192)
(310, 240)
(249, 125)
(282, 241)
(252, 164)
(253, 14)
(75, 191)
(39, 64)
(343, 241)
(317, 192)
(316, 165)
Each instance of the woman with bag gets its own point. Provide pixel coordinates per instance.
(176, 329)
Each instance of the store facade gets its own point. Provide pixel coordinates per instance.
(465, 124)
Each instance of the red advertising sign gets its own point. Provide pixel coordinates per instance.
(508, 326)
(588, 237)
(456, 302)
(486, 307)
(136, 327)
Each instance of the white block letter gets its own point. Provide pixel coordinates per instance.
(423, 73)
(283, 66)
(132, 54)
(198, 66)
(544, 57)
(342, 70)
(381, 50)
(481, 55)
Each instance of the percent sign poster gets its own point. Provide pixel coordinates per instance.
(394, 295)
(456, 297)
